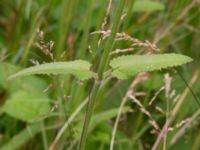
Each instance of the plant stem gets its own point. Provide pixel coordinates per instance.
(84, 40)
(103, 65)
(129, 13)
(175, 111)
(109, 44)
(44, 136)
(67, 13)
(89, 111)
(124, 100)
(66, 125)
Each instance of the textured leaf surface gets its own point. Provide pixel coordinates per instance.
(26, 106)
(147, 5)
(78, 68)
(126, 66)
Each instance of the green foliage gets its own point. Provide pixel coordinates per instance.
(103, 117)
(171, 25)
(106, 115)
(79, 68)
(22, 137)
(147, 5)
(31, 83)
(126, 66)
(27, 106)
(6, 69)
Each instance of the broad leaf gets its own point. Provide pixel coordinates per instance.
(32, 83)
(147, 5)
(27, 106)
(126, 66)
(78, 68)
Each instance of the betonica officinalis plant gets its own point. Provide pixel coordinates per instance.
(114, 73)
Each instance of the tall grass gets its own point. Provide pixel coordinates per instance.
(72, 26)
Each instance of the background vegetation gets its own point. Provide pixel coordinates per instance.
(47, 112)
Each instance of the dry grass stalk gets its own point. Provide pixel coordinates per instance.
(105, 20)
(168, 80)
(159, 109)
(34, 62)
(155, 95)
(140, 77)
(188, 123)
(118, 51)
(174, 113)
(146, 112)
(182, 122)
(66, 124)
(135, 42)
(45, 48)
(49, 86)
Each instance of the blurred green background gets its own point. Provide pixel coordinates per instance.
(38, 31)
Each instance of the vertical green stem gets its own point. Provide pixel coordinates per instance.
(89, 111)
(95, 39)
(84, 40)
(67, 13)
(44, 136)
(102, 67)
(109, 44)
(129, 14)
(79, 94)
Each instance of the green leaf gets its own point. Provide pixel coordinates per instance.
(32, 83)
(27, 106)
(126, 66)
(147, 5)
(6, 69)
(79, 68)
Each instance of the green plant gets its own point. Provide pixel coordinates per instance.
(111, 63)
(122, 68)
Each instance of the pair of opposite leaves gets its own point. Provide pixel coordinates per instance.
(122, 67)
(29, 107)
